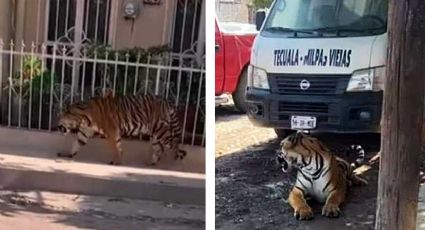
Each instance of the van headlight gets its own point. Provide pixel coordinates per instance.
(258, 78)
(367, 80)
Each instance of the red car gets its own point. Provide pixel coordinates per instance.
(233, 42)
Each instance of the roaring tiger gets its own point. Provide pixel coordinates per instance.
(122, 116)
(320, 175)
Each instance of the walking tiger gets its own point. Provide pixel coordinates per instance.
(123, 116)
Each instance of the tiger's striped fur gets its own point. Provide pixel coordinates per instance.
(320, 174)
(124, 116)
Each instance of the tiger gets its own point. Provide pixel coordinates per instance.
(320, 175)
(113, 117)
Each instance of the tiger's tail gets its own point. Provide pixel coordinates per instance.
(360, 154)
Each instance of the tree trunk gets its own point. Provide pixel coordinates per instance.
(402, 117)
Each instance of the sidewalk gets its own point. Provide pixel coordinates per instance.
(32, 164)
(30, 173)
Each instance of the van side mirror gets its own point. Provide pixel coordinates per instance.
(259, 18)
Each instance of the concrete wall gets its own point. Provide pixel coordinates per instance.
(31, 18)
(151, 28)
(19, 18)
(5, 20)
(236, 11)
(22, 20)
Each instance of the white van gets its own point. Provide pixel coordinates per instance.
(319, 65)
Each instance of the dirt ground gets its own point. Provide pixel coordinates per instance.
(36, 210)
(251, 190)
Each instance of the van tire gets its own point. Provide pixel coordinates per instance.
(239, 96)
(283, 133)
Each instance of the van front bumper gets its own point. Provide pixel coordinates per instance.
(344, 113)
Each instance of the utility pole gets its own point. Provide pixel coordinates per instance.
(403, 110)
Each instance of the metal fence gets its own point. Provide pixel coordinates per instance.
(36, 86)
(64, 51)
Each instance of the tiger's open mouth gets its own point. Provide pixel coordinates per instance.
(283, 163)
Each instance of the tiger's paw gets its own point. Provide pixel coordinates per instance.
(68, 155)
(153, 163)
(331, 210)
(181, 154)
(303, 213)
(114, 163)
(155, 159)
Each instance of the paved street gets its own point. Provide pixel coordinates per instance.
(36, 210)
(235, 132)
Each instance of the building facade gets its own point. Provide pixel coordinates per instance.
(234, 11)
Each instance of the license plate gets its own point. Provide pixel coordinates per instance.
(303, 122)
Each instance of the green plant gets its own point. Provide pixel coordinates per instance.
(125, 78)
(42, 82)
(31, 77)
(259, 4)
(31, 67)
(102, 51)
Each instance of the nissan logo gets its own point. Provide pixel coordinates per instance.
(304, 84)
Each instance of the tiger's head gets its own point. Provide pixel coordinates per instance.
(297, 151)
(70, 119)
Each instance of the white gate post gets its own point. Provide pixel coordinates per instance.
(77, 47)
(201, 36)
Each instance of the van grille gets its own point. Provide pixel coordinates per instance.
(319, 84)
(319, 110)
(298, 107)
(323, 111)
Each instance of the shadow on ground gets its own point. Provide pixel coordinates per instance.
(225, 111)
(92, 214)
(251, 190)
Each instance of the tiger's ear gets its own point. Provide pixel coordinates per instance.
(288, 142)
(292, 140)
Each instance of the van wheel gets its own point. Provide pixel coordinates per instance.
(283, 133)
(239, 96)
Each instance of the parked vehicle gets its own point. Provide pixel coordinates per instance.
(319, 66)
(232, 55)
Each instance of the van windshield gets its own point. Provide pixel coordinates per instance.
(328, 17)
